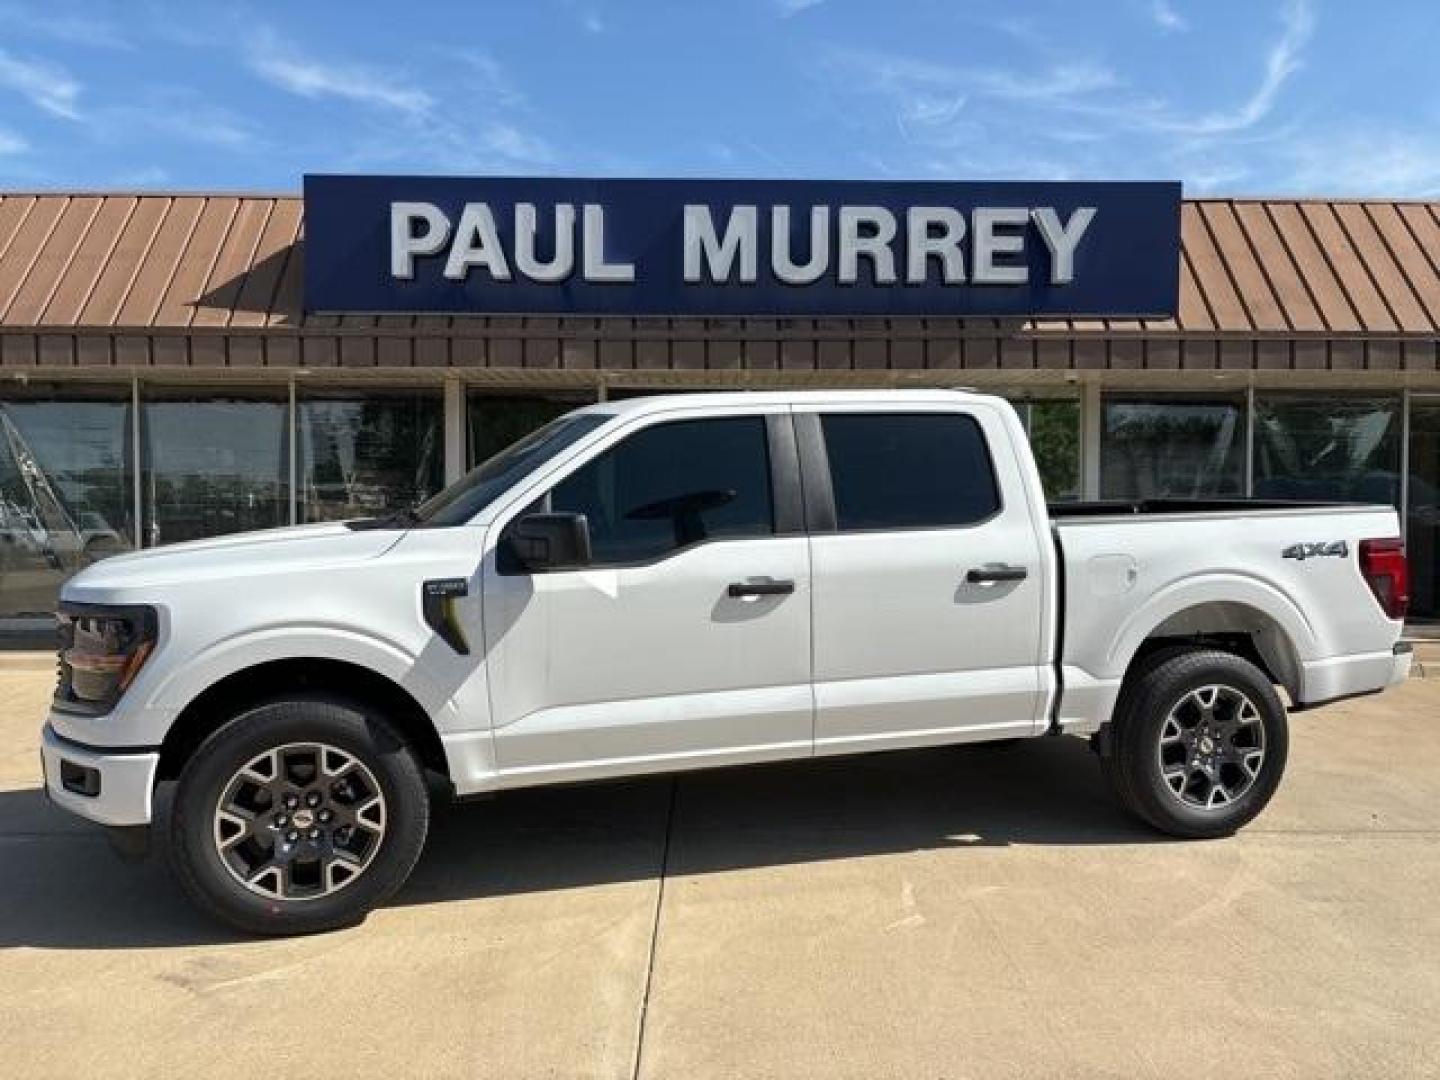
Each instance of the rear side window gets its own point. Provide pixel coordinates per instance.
(908, 470)
(673, 485)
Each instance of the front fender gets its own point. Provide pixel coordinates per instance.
(144, 716)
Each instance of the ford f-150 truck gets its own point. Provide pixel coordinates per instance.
(691, 581)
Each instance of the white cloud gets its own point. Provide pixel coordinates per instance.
(1167, 18)
(1281, 62)
(593, 23)
(906, 76)
(788, 8)
(404, 120)
(1069, 114)
(491, 81)
(1355, 161)
(175, 116)
(1065, 80)
(47, 86)
(1212, 177)
(88, 30)
(150, 176)
(924, 110)
(516, 145)
(10, 143)
(281, 65)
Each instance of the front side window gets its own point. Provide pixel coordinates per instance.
(671, 486)
(908, 470)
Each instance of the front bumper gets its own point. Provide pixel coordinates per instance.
(113, 787)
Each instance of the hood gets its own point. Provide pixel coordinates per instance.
(252, 554)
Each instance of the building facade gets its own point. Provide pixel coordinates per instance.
(160, 379)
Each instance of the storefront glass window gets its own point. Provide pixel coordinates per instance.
(1422, 517)
(214, 462)
(495, 421)
(1327, 447)
(66, 488)
(367, 452)
(1172, 447)
(1054, 431)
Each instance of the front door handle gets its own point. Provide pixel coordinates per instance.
(996, 573)
(760, 587)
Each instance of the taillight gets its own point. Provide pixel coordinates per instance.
(1387, 573)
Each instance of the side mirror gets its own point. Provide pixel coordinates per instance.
(542, 542)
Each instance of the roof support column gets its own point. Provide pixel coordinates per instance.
(454, 429)
(1090, 439)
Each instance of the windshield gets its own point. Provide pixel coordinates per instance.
(483, 484)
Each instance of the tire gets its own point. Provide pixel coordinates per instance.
(296, 774)
(1195, 700)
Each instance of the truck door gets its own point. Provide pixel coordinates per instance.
(687, 640)
(928, 577)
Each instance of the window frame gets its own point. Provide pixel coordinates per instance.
(786, 497)
(821, 517)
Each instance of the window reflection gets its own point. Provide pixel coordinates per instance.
(1327, 447)
(366, 452)
(1422, 518)
(495, 421)
(66, 488)
(214, 463)
(1054, 431)
(1172, 447)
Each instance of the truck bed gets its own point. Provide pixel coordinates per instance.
(1282, 573)
(1120, 507)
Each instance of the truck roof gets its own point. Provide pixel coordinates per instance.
(660, 402)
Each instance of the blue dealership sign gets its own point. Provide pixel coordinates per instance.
(740, 247)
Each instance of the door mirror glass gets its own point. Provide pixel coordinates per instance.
(540, 542)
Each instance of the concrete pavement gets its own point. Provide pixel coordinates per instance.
(976, 912)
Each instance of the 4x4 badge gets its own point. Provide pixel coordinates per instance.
(1310, 551)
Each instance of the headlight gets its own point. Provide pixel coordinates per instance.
(102, 649)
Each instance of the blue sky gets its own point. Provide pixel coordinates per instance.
(1235, 96)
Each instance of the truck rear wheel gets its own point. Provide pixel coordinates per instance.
(1198, 743)
(298, 815)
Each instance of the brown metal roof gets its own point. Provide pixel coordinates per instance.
(1256, 267)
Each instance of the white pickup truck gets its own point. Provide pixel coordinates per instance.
(686, 582)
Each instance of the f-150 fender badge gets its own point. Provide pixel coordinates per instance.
(437, 603)
(1335, 548)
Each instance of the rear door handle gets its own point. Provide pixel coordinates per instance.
(996, 573)
(760, 587)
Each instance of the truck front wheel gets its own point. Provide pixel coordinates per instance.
(298, 815)
(1198, 743)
